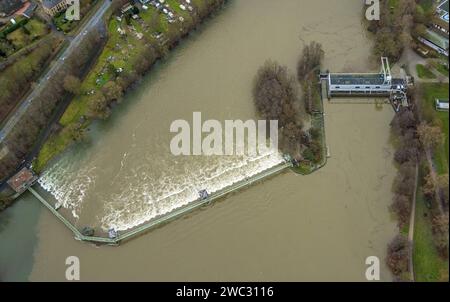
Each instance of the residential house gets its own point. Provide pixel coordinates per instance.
(437, 35)
(9, 7)
(52, 7)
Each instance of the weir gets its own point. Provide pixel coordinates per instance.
(153, 223)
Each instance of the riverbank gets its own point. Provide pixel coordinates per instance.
(421, 140)
(130, 52)
(431, 236)
(429, 93)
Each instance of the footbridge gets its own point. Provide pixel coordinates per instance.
(153, 223)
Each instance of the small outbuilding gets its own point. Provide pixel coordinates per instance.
(441, 105)
(24, 179)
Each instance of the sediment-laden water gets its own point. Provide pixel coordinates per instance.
(290, 227)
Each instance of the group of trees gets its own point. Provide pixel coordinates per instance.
(308, 68)
(393, 31)
(436, 188)
(404, 127)
(439, 227)
(313, 148)
(412, 137)
(17, 78)
(24, 136)
(276, 98)
(439, 184)
(398, 257)
(430, 136)
(310, 61)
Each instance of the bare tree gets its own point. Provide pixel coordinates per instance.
(72, 84)
(430, 136)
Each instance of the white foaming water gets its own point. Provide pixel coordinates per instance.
(68, 191)
(140, 191)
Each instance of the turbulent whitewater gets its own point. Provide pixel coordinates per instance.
(144, 189)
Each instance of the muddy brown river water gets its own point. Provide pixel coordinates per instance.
(320, 227)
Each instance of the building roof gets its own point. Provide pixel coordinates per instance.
(8, 7)
(437, 39)
(442, 10)
(357, 79)
(442, 104)
(22, 179)
(51, 3)
(444, 6)
(398, 81)
(29, 11)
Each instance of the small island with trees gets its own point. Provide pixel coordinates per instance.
(296, 103)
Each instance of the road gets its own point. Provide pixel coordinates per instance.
(15, 118)
(410, 58)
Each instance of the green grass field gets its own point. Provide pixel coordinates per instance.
(428, 266)
(431, 92)
(442, 69)
(427, 263)
(424, 73)
(52, 147)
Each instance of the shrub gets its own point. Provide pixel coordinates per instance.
(398, 256)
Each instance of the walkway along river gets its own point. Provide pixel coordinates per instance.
(292, 227)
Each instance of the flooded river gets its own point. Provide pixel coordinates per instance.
(289, 228)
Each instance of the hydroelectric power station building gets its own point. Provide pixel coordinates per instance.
(380, 84)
